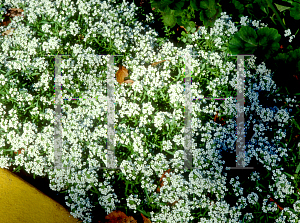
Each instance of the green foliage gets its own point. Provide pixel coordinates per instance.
(247, 40)
(210, 13)
(268, 40)
(264, 42)
(173, 12)
(169, 18)
(186, 16)
(195, 4)
(238, 6)
(292, 57)
(244, 41)
(281, 8)
(295, 10)
(1, 9)
(263, 5)
(176, 15)
(161, 5)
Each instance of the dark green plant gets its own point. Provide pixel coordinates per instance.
(184, 13)
(247, 40)
(279, 15)
(208, 11)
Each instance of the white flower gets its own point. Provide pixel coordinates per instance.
(244, 20)
(296, 206)
(255, 23)
(85, 133)
(287, 32)
(46, 28)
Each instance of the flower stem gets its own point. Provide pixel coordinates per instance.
(276, 13)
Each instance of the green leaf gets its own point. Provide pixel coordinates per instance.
(204, 4)
(298, 168)
(281, 8)
(248, 35)
(203, 66)
(17, 169)
(210, 13)
(179, 5)
(293, 120)
(243, 42)
(265, 10)
(146, 193)
(295, 11)
(169, 152)
(271, 34)
(211, 3)
(180, 15)
(289, 175)
(238, 6)
(169, 18)
(144, 213)
(193, 3)
(272, 18)
(161, 5)
(201, 16)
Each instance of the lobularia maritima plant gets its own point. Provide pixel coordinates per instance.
(149, 116)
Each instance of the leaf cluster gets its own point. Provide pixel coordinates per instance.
(265, 43)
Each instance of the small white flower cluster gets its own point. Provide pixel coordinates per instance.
(52, 44)
(175, 188)
(282, 184)
(270, 207)
(288, 33)
(46, 28)
(252, 198)
(175, 92)
(132, 202)
(159, 120)
(238, 190)
(296, 206)
(74, 28)
(116, 26)
(255, 176)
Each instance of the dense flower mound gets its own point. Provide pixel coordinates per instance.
(149, 117)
